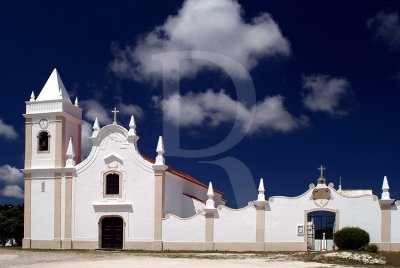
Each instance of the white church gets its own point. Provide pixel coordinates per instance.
(117, 198)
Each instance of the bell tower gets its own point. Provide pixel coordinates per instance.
(53, 124)
(51, 120)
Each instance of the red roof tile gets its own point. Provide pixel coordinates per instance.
(181, 174)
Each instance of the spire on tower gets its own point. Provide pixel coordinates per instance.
(70, 154)
(160, 160)
(385, 189)
(32, 96)
(54, 89)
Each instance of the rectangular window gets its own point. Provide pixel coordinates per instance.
(112, 184)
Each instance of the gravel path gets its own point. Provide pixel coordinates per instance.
(100, 259)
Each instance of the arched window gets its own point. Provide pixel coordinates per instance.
(43, 141)
(112, 184)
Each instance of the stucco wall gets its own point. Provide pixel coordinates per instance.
(137, 201)
(284, 214)
(191, 229)
(235, 225)
(395, 224)
(42, 208)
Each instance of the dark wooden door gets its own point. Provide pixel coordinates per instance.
(112, 233)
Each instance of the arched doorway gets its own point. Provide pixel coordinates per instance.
(321, 226)
(112, 233)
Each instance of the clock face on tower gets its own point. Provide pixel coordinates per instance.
(43, 123)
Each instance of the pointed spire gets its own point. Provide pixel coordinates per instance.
(70, 154)
(32, 96)
(261, 191)
(54, 89)
(96, 128)
(76, 103)
(385, 189)
(210, 204)
(132, 127)
(160, 160)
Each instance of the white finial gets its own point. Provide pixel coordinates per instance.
(60, 92)
(340, 184)
(132, 127)
(76, 102)
(261, 191)
(160, 160)
(70, 154)
(385, 189)
(96, 128)
(32, 96)
(210, 204)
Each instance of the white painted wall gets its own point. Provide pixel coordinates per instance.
(285, 213)
(235, 225)
(191, 229)
(137, 188)
(42, 208)
(395, 224)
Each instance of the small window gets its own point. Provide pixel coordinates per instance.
(112, 184)
(43, 141)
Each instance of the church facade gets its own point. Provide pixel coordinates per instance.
(117, 198)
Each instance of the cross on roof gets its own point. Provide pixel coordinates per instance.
(322, 168)
(115, 111)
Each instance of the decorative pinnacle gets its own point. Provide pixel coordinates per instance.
(160, 160)
(160, 146)
(210, 204)
(70, 154)
(60, 92)
(132, 123)
(115, 111)
(76, 102)
(32, 96)
(132, 127)
(261, 191)
(96, 125)
(385, 189)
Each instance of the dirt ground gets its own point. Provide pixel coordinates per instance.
(98, 259)
(16, 257)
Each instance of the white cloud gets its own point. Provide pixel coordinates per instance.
(215, 26)
(324, 93)
(386, 27)
(214, 108)
(93, 109)
(130, 109)
(7, 131)
(11, 175)
(13, 191)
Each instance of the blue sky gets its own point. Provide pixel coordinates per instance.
(297, 84)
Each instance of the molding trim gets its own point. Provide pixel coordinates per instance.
(28, 143)
(26, 242)
(57, 210)
(159, 176)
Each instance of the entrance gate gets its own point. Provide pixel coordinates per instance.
(320, 230)
(112, 233)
